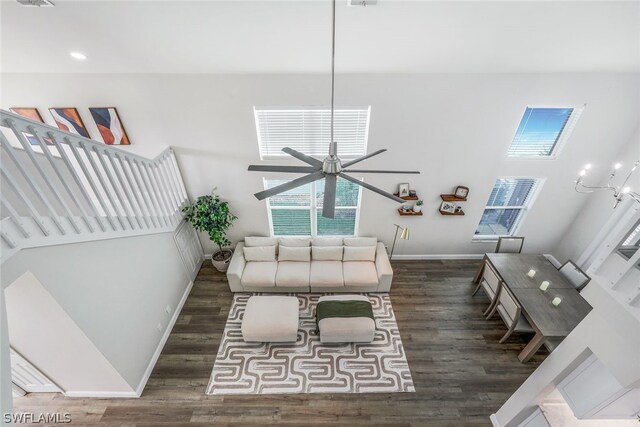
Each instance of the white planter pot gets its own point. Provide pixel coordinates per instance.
(417, 208)
(222, 265)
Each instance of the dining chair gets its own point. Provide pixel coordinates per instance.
(574, 275)
(510, 310)
(552, 343)
(491, 284)
(509, 245)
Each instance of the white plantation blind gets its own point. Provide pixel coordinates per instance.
(309, 131)
(511, 192)
(542, 130)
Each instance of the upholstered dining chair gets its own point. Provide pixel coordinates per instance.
(510, 310)
(509, 245)
(491, 284)
(574, 275)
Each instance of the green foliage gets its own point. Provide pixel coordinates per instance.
(211, 215)
(420, 203)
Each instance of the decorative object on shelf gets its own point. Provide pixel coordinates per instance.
(412, 193)
(418, 206)
(531, 273)
(404, 236)
(211, 215)
(68, 119)
(458, 210)
(619, 191)
(403, 190)
(331, 167)
(448, 207)
(544, 285)
(461, 192)
(556, 301)
(110, 125)
(33, 114)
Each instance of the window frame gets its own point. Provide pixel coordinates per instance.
(524, 209)
(564, 135)
(313, 209)
(282, 155)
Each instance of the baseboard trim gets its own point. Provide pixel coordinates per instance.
(436, 257)
(494, 420)
(163, 341)
(102, 394)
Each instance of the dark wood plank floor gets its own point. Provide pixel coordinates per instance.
(461, 373)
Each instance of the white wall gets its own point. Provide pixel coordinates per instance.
(454, 128)
(115, 290)
(6, 397)
(43, 333)
(599, 207)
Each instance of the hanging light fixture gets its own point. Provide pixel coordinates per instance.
(620, 192)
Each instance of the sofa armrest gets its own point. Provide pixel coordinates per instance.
(236, 268)
(383, 267)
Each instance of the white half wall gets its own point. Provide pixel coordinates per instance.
(454, 128)
(117, 291)
(43, 333)
(6, 397)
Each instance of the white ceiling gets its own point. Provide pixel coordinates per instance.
(294, 37)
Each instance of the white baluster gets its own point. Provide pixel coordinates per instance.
(33, 212)
(114, 184)
(143, 201)
(176, 170)
(15, 217)
(150, 193)
(157, 183)
(127, 189)
(162, 165)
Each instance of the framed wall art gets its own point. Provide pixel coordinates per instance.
(110, 125)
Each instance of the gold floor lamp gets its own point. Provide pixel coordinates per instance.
(404, 235)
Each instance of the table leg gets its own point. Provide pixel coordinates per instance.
(531, 348)
(476, 279)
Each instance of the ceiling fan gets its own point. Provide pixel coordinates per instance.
(331, 167)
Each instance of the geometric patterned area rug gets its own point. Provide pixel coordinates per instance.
(308, 366)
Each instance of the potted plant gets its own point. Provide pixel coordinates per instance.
(418, 206)
(211, 215)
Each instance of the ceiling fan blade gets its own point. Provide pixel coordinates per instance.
(287, 169)
(359, 159)
(376, 171)
(329, 202)
(289, 185)
(372, 188)
(300, 156)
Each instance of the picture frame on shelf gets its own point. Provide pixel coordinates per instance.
(403, 189)
(448, 207)
(461, 192)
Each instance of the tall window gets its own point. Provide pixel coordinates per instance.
(309, 131)
(298, 212)
(542, 131)
(507, 205)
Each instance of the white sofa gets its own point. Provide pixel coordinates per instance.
(325, 264)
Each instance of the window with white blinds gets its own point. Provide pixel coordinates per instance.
(308, 130)
(298, 212)
(542, 131)
(508, 202)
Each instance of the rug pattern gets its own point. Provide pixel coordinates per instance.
(309, 366)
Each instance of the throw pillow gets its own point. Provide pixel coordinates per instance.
(360, 241)
(294, 242)
(260, 241)
(327, 241)
(288, 253)
(359, 253)
(259, 253)
(327, 253)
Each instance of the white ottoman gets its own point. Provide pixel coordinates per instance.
(270, 319)
(346, 329)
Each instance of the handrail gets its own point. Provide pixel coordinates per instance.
(80, 189)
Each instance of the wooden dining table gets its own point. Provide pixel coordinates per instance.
(551, 323)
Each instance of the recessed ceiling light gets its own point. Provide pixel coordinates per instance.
(79, 56)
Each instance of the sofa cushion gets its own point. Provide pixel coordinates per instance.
(359, 273)
(326, 241)
(259, 253)
(293, 274)
(294, 241)
(326, 253)
(326, 274)
(259, 274)
(360, 241)
(287, 253)
(359, 253)
(260, 241)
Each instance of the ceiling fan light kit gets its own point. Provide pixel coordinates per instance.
(331, 167)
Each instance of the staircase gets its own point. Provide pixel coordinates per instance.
(59, 188)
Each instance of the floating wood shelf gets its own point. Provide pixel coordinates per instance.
(452, 198)
(452, 213)
(407, 197)
(410, 213)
